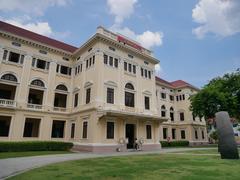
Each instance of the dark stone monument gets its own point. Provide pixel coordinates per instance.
(226, 142)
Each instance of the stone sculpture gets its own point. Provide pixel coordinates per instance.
(226, 142)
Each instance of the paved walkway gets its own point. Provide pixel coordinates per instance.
(13, 166)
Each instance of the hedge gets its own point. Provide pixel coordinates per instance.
(35, 146)
(174, 143)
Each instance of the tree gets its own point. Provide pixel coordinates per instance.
(220, 94)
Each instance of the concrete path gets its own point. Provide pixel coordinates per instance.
(13, 166)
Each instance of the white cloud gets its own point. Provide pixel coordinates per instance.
(158, 70)
(38, 27)
(36, 7)
(147, 39)
(121, 9)
(221, 17)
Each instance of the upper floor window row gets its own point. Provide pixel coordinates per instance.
(64, 70)
(146, 73)
(90, 62)
(131, 68)
(180, 97)
(78, 69)
(111, 61)
(13, 57)
(40, 64)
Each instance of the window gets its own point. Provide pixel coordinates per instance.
(163, 95)
(110, 130)
(147, 102)
(173, 133)
(58, 129)
(149, 131)
(5, 122)
(116, 63)
(125, 66)
(64, 69)
(171, 97)
(177, 98)
(183, 136)
(90, 62)
(93, 59)
(129, 67)
(129, 99)
(129, 96)
(134, 69)
(86, 64)
(180, 98)
(76, 100)
(172, 114)
(131, 56)
(181, 116)
(146, 73)
(165, 133)
(196, 134)
(41, 64)
(61, 87)
(60, 100)
(72, 130)
(9, 77)
(111, 48)
(85, 128)
(141, 71)
(203, 136)
(183, 97)
(105, 59)
(110, 95)
(149, 74)
(37, 82)
(88, 95)
(31, 127)
(163, 111)
(14, 57)
(110, 61)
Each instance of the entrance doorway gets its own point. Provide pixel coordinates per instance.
(130, 134)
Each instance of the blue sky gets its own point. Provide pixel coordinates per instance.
(195, 40)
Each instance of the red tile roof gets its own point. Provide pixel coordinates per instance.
(175, 84)
(35, 37)
(180, 83)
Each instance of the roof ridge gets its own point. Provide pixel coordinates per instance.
(16, 30)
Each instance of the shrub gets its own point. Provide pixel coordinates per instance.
(174, 143)
(35, 146)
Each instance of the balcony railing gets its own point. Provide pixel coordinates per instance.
(61, 109)
(34, 106)
(7, 103)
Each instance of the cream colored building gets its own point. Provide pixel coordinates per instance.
(100, 96)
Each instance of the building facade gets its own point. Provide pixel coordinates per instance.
(101, 96)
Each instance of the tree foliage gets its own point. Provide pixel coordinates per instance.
(220, 94)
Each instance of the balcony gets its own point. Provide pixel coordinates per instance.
(59, 109)
(34, 106)
(7, 103)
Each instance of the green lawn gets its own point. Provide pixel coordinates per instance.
(4, 155)
(163, 166)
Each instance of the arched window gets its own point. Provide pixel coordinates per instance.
(129, 86)
(37, 82)
(9, 77)
(172, 114)
(61, 87)
(129, 96)
(163, 111)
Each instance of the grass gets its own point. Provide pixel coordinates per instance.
(161, 166)
(4, 155)
(204, 151)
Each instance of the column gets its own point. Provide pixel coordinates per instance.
(1, 54)
(22, 95)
